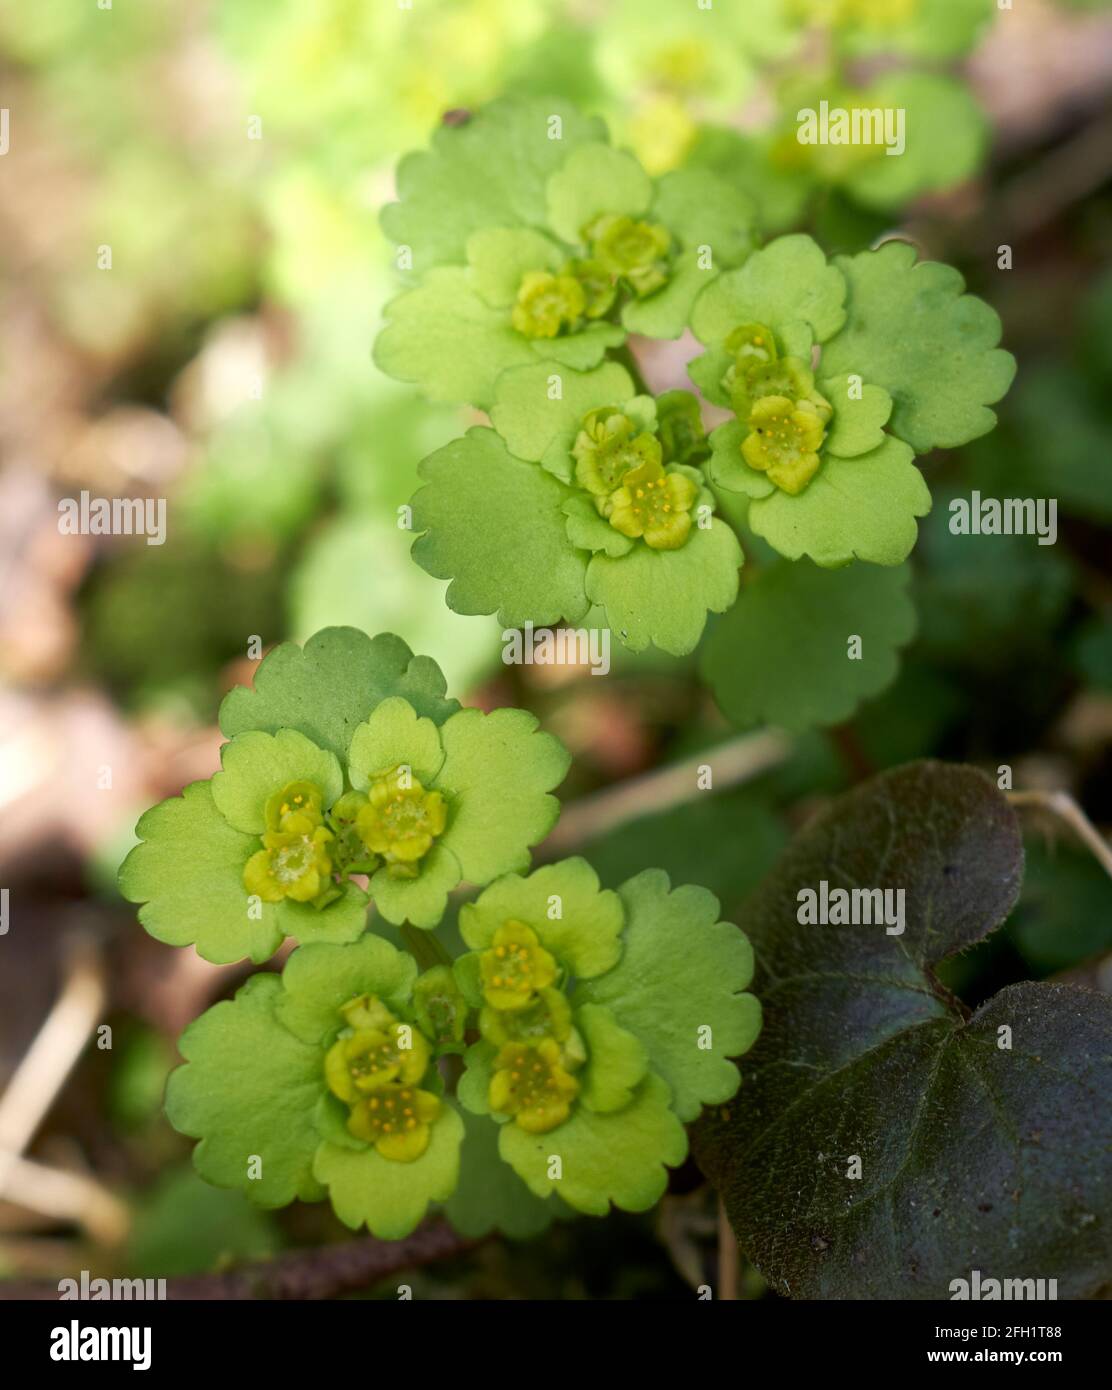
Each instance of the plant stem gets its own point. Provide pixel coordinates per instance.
(424, 947)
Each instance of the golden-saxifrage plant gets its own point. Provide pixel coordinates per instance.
(589, 1026)
(534, 250)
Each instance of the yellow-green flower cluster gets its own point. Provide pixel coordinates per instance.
(622, 250)
(623, 470)
(294, 861)
(395, 823)
(529, 1020)
(375, 1067)
(776, 399)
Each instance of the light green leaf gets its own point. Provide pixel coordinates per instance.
(328, 689)
(391, 737)
(493, 525)
(787, 281)
(699, 209)
(319, 979)
(489, 1196)
(535, 427)
(187, 871)
(256, 765)
(852, 509)
(662, 597)
(595, 179)
(588, 531)
(448, 341)
(500, 257)
(420, 901)
(474, 1084)
(912, 330)
(343, 920)
(857, 426)
(491, 171)
(707, 371)
(581, 350)
(727, 467)
(946, 135)
(682, 972)
(584, 938)
(616, 1060)
(388, 1197)
(497, 774)
(930, 29)
(617, 1158)
(248, 1092)
(452, 344)
(795, 618)
(713, 222)
(664, 314)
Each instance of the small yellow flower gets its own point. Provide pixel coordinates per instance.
(784, 440)
(787, 376)
(605, 450)
(546, 303)
(297, 798)
(515, 967)
(599, 288)
(632, 251)
(655, 506)
(547, 1015)
(396, 1121)
(400, 821)
(372, 1058)
(531, 1084)
(293, 863)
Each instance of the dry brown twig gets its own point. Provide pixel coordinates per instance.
(31, 1092)
(1066, 809)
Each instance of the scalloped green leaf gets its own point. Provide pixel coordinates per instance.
(679, 988)
(421, 901)
(491, 171)
(595, 179)
(500, 256)
(539, 429)
(662, 597)
(913, 330)
(589, 531)
(394, 735)
(619, 1158)
(857, 425)
(499, 770)
(795, 618)
(930, 29)
(256, 765)
(852, 509)
(946, 136)
(319, 979)
(248, 1091)
(727, 467)
(789, 280)
(187, 872)
(616, 1060)
(446, 339)
(493, 525)
(490, 1198)
(344, 919)
(977, 1148)
(327, 689)
(391, 1198)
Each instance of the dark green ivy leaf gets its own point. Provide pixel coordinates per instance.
(973, 1155)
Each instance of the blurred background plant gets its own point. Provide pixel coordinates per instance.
(228, 162)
